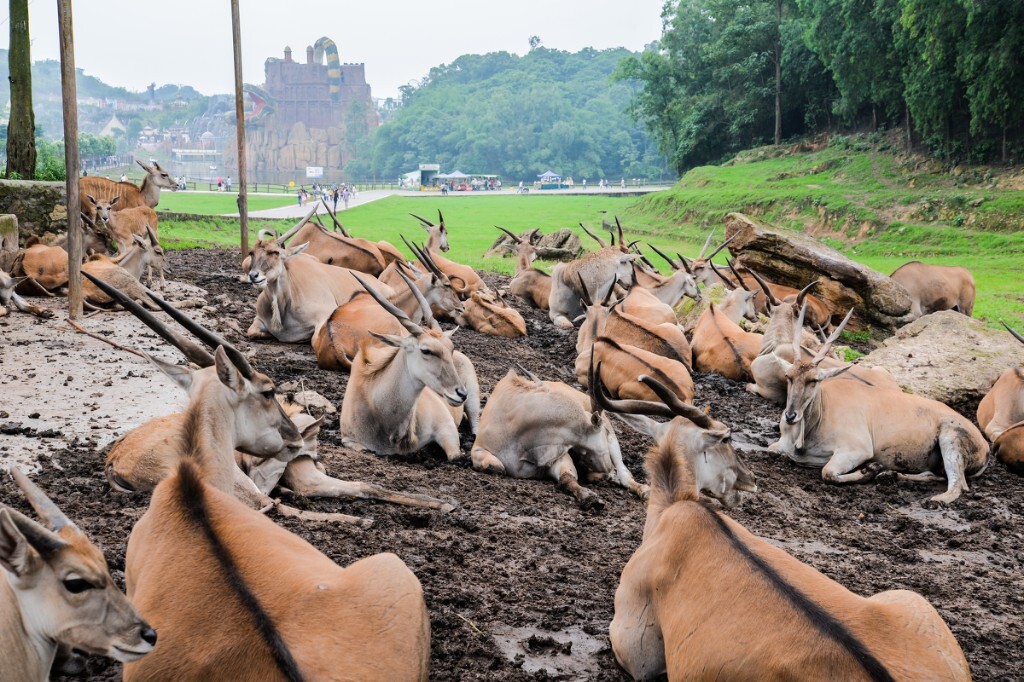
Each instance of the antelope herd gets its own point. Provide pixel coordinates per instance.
(227, 589)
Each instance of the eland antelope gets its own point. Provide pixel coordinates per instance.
(936, 287)
(530, 284)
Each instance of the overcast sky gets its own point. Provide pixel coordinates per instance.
(133, 43)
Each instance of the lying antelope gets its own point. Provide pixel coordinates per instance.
(45, 265)
(719, 344)
(56, 591)
(678, 609)
(781, 343)
(1003, 405)
(356, 254)
(388, 252)
(701, 268)
(854, 430)
(936, 287)
(469, 280)
(406, 392)
(546, 429)
(233, 594)
(489, 313)
(530, 284)
(337, 341)
(244, 416)
(1008, 448)
(125, 272)
(10, 299)
(299, 292)
(597, 272)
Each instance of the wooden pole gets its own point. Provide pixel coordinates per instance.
(69, 93)
(243, 188)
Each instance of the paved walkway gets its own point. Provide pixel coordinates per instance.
(293, 210)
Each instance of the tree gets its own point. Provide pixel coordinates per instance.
(534, 42)
(21, 141)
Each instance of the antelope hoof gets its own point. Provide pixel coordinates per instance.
(643, 492)
(447, 507)
(947, 497)
(591, 502)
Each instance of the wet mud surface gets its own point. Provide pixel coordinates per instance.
(519, 582)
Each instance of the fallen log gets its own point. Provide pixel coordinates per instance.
(794, 259)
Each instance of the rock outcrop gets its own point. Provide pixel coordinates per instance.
(947, 356)
(562, 245)
(39, 206)
(794, 259)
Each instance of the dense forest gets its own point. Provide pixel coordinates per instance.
(518, 116)
(729, 75)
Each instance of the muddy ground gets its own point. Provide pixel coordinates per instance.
(519, 582)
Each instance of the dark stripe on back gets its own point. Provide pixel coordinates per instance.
(658, 374)
(827, 624)
(193, 507)
(669, 350)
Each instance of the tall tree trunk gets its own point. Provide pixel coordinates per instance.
(778, 73)
(21, 130)
(1005, 154)
(906, 119)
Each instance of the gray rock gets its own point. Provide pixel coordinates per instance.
(40, 206)
(947, 356)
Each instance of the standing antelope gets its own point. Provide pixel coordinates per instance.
(703, 598)
(299, 292)
(128, 193)
(56, 591)
(406, 392)
(854, 430)
(530, 284)
(936, 287)
(546, 429)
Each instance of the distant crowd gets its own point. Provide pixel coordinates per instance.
(329, 194)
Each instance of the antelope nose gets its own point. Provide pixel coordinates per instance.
(148, 635)
(790, 417)
(253, 275)
(462, 393)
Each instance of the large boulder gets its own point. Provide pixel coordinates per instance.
(794, 259)
(948, 357)
(39, 206)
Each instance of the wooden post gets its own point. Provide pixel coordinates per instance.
(69, 93)
(243, 188)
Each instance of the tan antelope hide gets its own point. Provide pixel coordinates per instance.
(1003, 405)
(854, 430)
(530, 284)
(234, 595)
(408, 391)
(546, 429)
(56, 591)
(936, 287)
(702, 597)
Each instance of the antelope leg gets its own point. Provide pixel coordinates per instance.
(564, 471)
(303, 478)
(41, 288)
(843, 467)
(26, 307)
(923, 477)
(953, 456)
(333, 517)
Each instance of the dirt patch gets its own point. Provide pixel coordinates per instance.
(519, 582)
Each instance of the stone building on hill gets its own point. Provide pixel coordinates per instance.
(305, 115)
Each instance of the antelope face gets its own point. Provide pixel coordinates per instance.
(442, 297)
(429, 359)
(745, 301)
(157, 257)
(267, 260)
(102, 208)
(262, 427)
(159, 177)
(717, 468)
(624, 270)
(65, 591)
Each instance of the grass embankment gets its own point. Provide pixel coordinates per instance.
(880, 208)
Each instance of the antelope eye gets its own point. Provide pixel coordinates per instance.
(269, 395)
(77, 585)
(426, 351)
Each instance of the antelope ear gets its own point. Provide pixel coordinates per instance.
(644, 425)
(390, 340)
(226, 370)
(783, 363)
(112, 201)
(833, 372)
(144, 166)
(296, 250)
(451, 332)
(91, 198)
(24, 543)
(138, 240)
(313, 429)
(179, 374)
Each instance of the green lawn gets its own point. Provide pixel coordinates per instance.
(861, 203)
(215, 204)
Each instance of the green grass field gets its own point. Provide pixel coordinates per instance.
(874, 206)
(215, 204)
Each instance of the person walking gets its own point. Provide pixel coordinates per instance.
(345, 196)
(334, 198)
